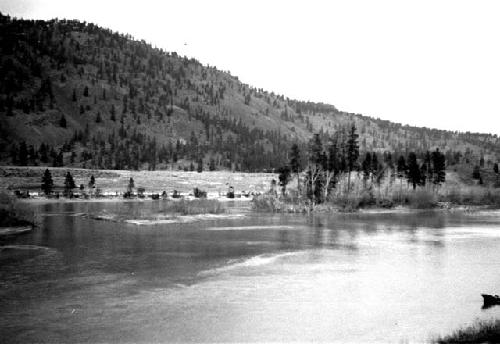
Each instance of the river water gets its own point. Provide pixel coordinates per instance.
(371, 277)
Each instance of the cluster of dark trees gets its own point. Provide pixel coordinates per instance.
(29, 155)
(325, 165)
(47, 184)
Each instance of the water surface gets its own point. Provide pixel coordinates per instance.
(249, 277)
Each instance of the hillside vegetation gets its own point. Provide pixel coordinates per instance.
(74, 94)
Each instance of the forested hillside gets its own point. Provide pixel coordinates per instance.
(75, 94)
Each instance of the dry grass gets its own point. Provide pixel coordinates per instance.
(153, 181)
(193, 207)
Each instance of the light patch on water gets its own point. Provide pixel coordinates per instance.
(71, 214)
(104, 217)
(185, 219)
(14, 230)
(251, 228)
(454, 233)
(252, 262)
(23, 247)
(180, 254)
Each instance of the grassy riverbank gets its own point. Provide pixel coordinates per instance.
(389, 194)
(165, 211)
(11, 215)
(111, 182)
(445, 198)
(194, 207)
(480, 332)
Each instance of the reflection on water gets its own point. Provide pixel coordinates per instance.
(340, 277)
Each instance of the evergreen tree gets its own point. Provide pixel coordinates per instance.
(92, 182)
(113, 113)
(428, 163)
(14, 154)
(366, 166)
(352, 154)
(332, 168)
(211, 165)
(199, 168)
(439, 166)
(316, 150)
(413, 170)
(43, 152)
(476, 173)
(47, 182)
(376, 168)
(32, 155)
(296, 163)
(495, 169)
(131, 185)
(86, 91)
(59, 159)
(62, 122)
(401, 167)
(388, 160)
(98, 118)
(315, 168)
(73, 98)
(402, 171)
(423, 174)
(284, 178)
(69, 185)
(23, 154)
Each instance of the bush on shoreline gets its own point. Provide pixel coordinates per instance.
(427, 198)
(472, 195)
(11, 215)
(480, 332)
(422, 199)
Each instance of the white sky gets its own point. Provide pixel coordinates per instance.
(426, 63)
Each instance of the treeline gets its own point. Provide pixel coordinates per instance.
(324, 166)
(130, 149)
(47, 185)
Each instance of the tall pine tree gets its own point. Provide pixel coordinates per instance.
(352, 154)
(47, 182)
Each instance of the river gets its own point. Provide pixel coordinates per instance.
(366, 277)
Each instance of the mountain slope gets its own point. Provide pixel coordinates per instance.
(81, 95)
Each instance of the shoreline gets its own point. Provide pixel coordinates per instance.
(45, 200)
(287, 207)
(271, 204)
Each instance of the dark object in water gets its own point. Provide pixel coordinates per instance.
(490, 300)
